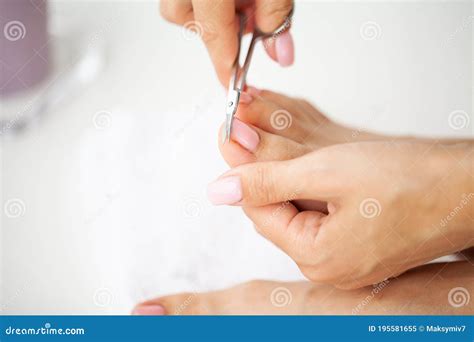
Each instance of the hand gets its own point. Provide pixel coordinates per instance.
(387, 201)
(218, 25)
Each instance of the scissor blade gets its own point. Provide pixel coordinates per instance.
(228, 128)
(232, 103)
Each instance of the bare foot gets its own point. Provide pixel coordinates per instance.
(430, 289)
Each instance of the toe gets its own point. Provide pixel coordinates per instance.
(284, 119)
(250, 144)
(179, 304)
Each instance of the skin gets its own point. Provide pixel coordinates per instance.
(217, 24)
(346, 245)
(343, 266)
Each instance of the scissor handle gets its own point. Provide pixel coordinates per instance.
(237, 81)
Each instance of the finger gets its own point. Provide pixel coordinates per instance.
(290, 230)
(269, 147)
(270, 15)
(177, 11)
(269, 46)
(250, 144)
(263, 183)
(220, 27)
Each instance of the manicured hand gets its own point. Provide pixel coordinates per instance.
(216, 22)
(390, 205)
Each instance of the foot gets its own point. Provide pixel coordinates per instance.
(429, 289)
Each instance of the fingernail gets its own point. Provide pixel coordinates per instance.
(245, 135)
(149, 310)
(285, 49)
(226, 190)
(253, 91)
(245, 98)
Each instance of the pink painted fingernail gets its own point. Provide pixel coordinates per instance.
(149, 310)
(245, 98)
(227, 190)
(245, 135)
(253, 91)
(285, 49)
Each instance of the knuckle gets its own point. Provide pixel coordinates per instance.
(209, 35)
(278, 10)
(262, 184)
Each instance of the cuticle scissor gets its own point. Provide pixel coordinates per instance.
(239, 73)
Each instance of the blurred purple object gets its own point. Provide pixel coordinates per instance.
(24, 45)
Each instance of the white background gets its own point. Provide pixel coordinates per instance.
(117, 215)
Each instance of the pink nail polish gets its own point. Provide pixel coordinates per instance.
(227, 190)
(285, 49)
(245, 98)
(245, 135)
(149, 310)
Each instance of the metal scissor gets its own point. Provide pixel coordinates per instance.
(239, 73)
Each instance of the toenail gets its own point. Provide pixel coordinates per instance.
(246, 136)
(149, 310)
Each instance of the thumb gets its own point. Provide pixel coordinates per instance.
(263, 183)
(269, 15)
